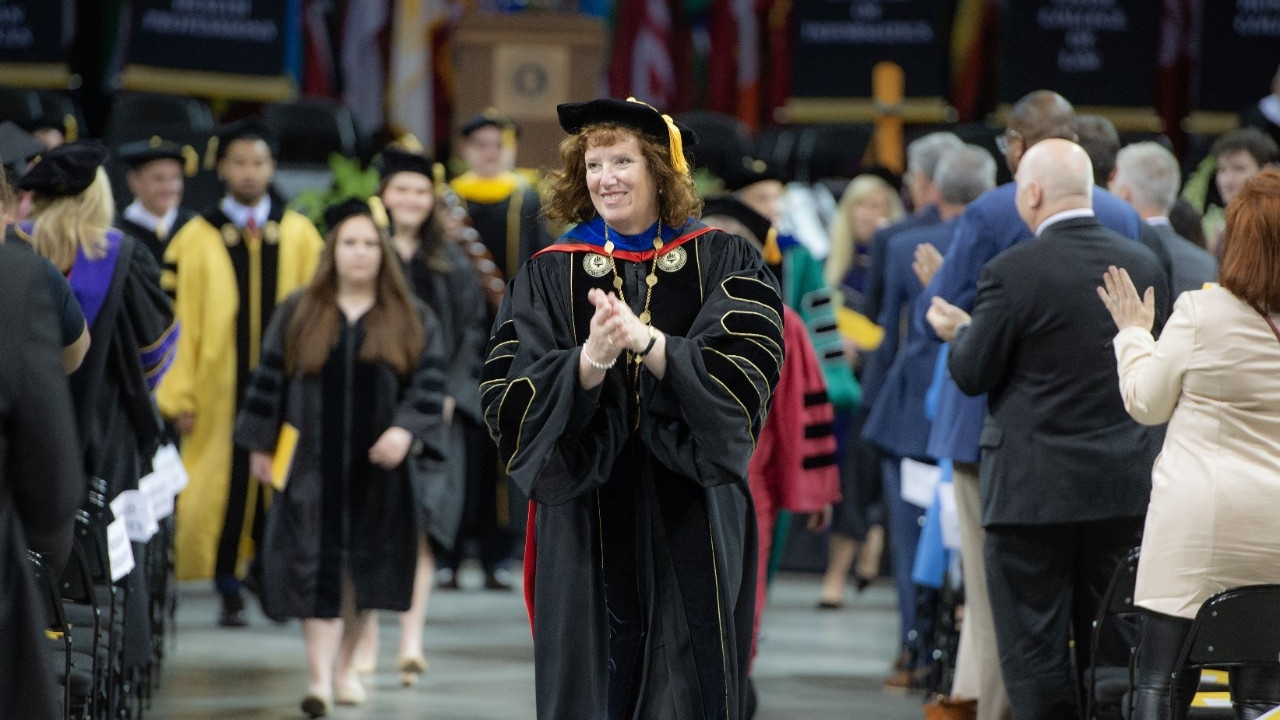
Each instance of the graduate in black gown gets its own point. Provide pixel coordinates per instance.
(629, 373)
(353, 363)
(440, 275)
(157, 179)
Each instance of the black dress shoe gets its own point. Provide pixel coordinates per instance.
(499, 579)
(232, 614)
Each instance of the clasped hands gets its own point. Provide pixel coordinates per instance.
(614, 328)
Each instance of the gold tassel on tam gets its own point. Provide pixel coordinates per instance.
(772, 253)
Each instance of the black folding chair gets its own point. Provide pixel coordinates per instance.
(1236, 627)
(1109, 686)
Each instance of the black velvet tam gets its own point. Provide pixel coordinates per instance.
(251, 128)
(395, 160)
(633, 114)
(65, 170)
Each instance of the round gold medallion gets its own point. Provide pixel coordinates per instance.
(230, 235)
(271, 232)
(673, 259)
(595, 265)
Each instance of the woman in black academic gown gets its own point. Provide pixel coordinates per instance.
(628, 376)
(440, 275)
(353, 362)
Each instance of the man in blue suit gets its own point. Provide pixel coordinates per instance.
(989, 226)
(897, 425)
(923, 156)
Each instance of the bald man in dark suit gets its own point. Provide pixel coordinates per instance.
(1065, 472)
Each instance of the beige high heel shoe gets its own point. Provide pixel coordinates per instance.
(410, 668)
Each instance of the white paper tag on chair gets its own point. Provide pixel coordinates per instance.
(132, 506)
(167, 463)
(919, 482)
(119, 550)
(155, 487)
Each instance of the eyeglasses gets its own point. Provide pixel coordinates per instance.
(1002, 141)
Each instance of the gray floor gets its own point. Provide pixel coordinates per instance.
(812, 665)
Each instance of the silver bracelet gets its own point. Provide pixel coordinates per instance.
(597, 365)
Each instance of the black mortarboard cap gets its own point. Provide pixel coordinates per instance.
(631, 113)
(394, 160)
(730, 206)
(748, 171)
(136, 154)
(254, 128)
(65, 170)
(336, 214)
(16, 147)
(627, 113)
(488, 118)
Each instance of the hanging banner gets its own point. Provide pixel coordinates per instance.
(239, 49)
(837, 42)
(34, 38)
(1239, 53)
(1095, 53)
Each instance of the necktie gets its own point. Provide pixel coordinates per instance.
(251, 226)
(162, 231)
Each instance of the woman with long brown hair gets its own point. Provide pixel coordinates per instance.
(352, 362)
(440, 275)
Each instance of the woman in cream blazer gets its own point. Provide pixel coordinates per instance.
(1214, 377)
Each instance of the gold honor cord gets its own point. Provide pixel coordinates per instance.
(645, 316)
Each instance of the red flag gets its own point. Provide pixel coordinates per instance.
(734, 65)
(651, 54)
(319, 71)
(777, 57)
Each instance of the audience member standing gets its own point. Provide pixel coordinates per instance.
(353, 363)
(896, 424)
(1147, 177)
(990, 225)
(227, 269)
(1212, 376)
(1238, 156)
(41, 480)
(1066, 473)
(1265, 114)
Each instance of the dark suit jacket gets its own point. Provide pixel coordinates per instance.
(990, 225)
(1057, 445)
(1193, 266)
(897, 423)
(40, 481)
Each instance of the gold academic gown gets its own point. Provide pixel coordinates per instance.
(200, 270)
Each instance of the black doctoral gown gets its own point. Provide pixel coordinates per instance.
(339, 512)
(153, 242)
(641, 551)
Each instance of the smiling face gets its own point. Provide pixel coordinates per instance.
(622, 189)
(157, 185)
(408, 198)
(1233, 169)
(765, 197)
(357, 251)
(482, 151)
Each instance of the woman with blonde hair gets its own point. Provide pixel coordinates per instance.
(352, 364)
(130, 319)
(867, 204)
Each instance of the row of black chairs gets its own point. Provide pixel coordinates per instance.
(107, 638)
(1235, 628)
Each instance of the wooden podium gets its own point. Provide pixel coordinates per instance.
(524, 64)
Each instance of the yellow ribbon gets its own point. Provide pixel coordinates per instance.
(772, 253)
(378, 212)
(674, 141)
